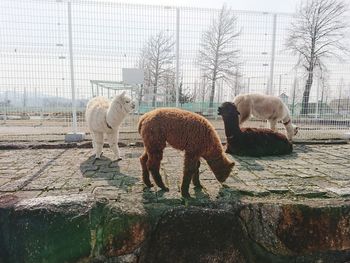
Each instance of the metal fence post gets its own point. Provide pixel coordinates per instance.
(74, 136)
(294, 90)
(248, 85)
(177, 53)
(72, 84)
(273, 49)
(317, 94)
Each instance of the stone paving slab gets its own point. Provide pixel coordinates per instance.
(311, 171)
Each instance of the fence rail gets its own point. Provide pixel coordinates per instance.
(49, 63)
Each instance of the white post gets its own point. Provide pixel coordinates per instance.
(74, 136)
(177, 53)
(317, 94)
(74, 107)
(6, 101)
(273, 49)
(279, 85)
(248, 85)
(222, 90)
(294, 90)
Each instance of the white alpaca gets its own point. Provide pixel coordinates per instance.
(104, 117)
(265, 107)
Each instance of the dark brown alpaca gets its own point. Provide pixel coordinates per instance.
(251, 141)
(185, 131)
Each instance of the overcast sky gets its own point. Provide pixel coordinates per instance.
(285, 6)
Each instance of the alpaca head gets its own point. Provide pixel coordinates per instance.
(228, 109)
(123, 103)
(221, 167)
(292, 130)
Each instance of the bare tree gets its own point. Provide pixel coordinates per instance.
(156, 59)
(340, 85)
(185, 95)
(237, 84)
(217, 56)
(195, 90)
(325, 90)
(317, 33)
(203, 89)
(168, 85)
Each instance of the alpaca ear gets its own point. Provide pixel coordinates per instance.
(122, 94)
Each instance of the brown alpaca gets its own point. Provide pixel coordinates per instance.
(185, 131)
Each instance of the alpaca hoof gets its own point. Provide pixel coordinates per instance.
(118, 159)
(198, 187)
(148, 184)
(98, 157)
(186, 195)
(224, 185)
(165, 189)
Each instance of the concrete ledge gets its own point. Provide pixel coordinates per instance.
(80, 228)
(346, 136)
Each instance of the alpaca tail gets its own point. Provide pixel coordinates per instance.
(140, 125)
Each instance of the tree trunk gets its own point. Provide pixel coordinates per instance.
(306, 94)
(212, 93)
(154, 96)
(140, 95)
(155, 86)
(156, 77)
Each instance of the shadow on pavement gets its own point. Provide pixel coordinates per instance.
(108, 169)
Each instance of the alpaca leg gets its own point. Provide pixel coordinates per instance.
(244, 110)
(113, 144)
(273, 124)
(93, 141)
(195, 177)
(190, 170)
(145, 172)
(98, 144)
(243, 117)
(153, 165)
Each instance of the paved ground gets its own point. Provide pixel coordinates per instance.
(312, 171)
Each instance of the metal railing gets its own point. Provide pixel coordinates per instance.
(52, 51)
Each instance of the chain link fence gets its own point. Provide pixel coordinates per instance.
(46, 57)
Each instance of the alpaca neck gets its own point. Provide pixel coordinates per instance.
(231, 127)
(290, 130)
(114, 117)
